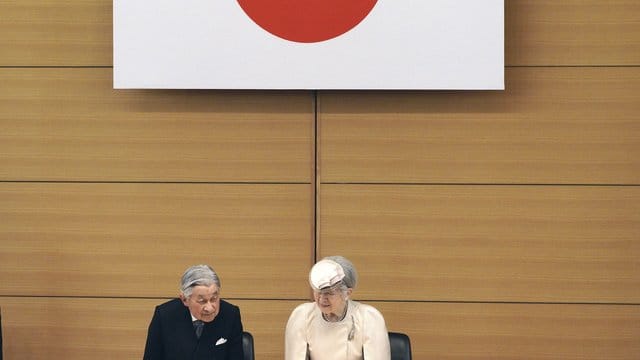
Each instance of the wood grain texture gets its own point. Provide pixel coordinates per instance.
(88, 239)
(74, 329)
(487, 243)
(266, 320)
(107, 196)
(56, 33)
(517, 331)
(69, 124)
(551, 126)
(115, 328)
(572, 32)
(537, 32)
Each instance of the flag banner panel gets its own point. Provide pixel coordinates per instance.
(309, 44)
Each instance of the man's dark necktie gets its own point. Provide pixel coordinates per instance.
(198, 325)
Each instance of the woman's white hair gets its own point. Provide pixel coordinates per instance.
(350, 279)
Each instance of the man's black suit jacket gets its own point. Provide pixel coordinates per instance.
(171, 335)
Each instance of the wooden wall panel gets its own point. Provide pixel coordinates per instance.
(572, 32)
(551, 126)
(116, 328)
(70, 328)
(516, 331)
(266, 320)
(537, 32)
(106, 196)
(95, 239)
(56, 33)
(68, 124)
(487, 243)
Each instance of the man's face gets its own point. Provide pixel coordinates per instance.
(204, 302)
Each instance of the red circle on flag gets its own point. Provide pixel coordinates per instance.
(307, 21)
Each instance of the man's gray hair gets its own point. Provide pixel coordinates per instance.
(350, 279)
(198, 275)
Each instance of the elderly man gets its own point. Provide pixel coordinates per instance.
(198, 324)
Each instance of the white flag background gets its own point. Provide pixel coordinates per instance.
(400, 44)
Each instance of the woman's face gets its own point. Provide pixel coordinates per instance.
(332, 301)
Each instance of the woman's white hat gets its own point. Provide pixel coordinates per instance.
(324, 274)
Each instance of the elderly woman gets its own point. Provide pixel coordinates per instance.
(334, 327)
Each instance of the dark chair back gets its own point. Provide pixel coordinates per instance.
(400, 346)
(0, 334)
(247, 346)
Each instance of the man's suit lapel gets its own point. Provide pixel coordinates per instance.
(188, 340)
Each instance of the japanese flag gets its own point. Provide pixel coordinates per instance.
(309, 44)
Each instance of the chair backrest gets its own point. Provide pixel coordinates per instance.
(0, 334)
(247, 346)
(400, 346)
